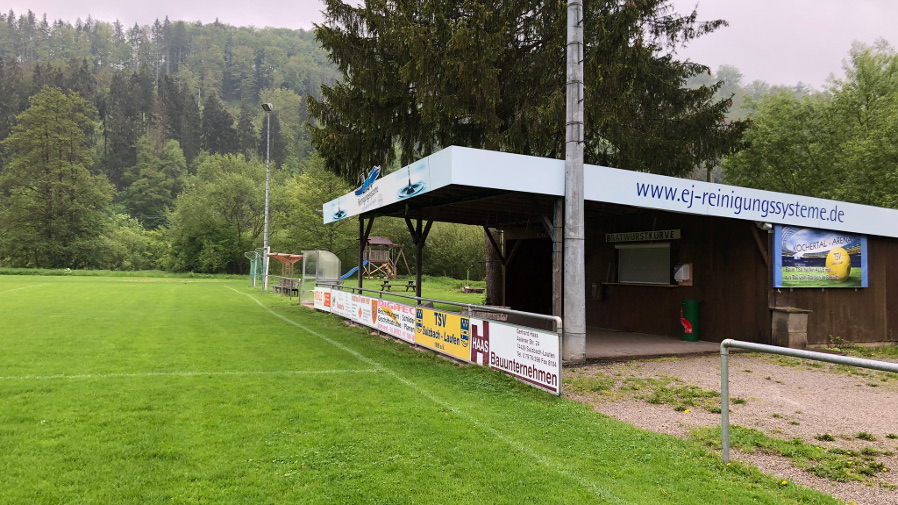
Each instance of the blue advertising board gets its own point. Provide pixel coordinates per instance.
(812, 258)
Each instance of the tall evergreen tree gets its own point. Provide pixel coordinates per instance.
(82, 81)
(52, 207)
(219, 136)
(8, 98)
(122, 128)
(246, 132)
(170, 97)
(191, 127)
(491, 74)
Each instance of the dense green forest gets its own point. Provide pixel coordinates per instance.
(158, 146)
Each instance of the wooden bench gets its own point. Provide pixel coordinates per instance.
(388, 286)
(285, 290)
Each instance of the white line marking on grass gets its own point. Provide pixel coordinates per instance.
(600, 491)
(184, 374)
(25, 287)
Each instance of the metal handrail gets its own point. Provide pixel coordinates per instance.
(471, 307)
(883, 366)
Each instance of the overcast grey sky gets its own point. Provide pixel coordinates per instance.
(778, 41)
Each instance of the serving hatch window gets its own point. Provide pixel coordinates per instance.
(643, 263)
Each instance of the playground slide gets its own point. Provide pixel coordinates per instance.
(354, 270)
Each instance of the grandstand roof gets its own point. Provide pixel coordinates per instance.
(496, 189)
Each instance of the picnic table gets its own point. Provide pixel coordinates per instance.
(388, 286)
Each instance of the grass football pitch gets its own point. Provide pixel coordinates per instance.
(141, 391)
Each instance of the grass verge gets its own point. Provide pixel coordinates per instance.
(835, 464)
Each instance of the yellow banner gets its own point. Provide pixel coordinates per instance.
(445, 332)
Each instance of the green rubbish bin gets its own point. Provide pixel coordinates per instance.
(689, 329)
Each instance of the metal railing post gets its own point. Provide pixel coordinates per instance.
(725, 402)
(882, 366)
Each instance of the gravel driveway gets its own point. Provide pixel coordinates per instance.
(784, 398)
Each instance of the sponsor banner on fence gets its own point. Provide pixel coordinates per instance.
(444, 332)
(395, 319)
(342, 305)
(530, 355)
(363, 312)
(812, 258)
(527, 354)
(323, 299)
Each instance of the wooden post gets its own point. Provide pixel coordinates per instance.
(419, 238)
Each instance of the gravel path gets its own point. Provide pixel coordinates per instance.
(783, 398)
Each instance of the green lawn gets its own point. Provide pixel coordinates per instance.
(434, 288)
(153, 390)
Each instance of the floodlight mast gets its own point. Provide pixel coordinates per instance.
(267, 107)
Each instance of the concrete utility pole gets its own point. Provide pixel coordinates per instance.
(574, 264)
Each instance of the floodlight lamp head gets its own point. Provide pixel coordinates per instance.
(267, 107)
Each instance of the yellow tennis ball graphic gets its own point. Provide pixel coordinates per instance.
(838, 264)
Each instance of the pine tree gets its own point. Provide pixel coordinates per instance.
(246, 132)
(8, 99)
(122, 128)
(491, 74)
(191, 127)
(219, 136)
(52, 207)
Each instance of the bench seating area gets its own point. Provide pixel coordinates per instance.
(388, 286)
(287, 287)
(286, 290)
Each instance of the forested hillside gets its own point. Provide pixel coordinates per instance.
(144, 147)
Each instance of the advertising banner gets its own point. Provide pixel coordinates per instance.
(409, 181)
(363, 311)
(323, 299)
(341, 304)
(530, 355)
(527, 354)
(395, 319)
(653, 191)
(444, 332)
(812, 258)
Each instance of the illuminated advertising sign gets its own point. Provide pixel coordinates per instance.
(812, 258)
(444, 332)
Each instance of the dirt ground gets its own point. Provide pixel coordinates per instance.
(783, 398)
